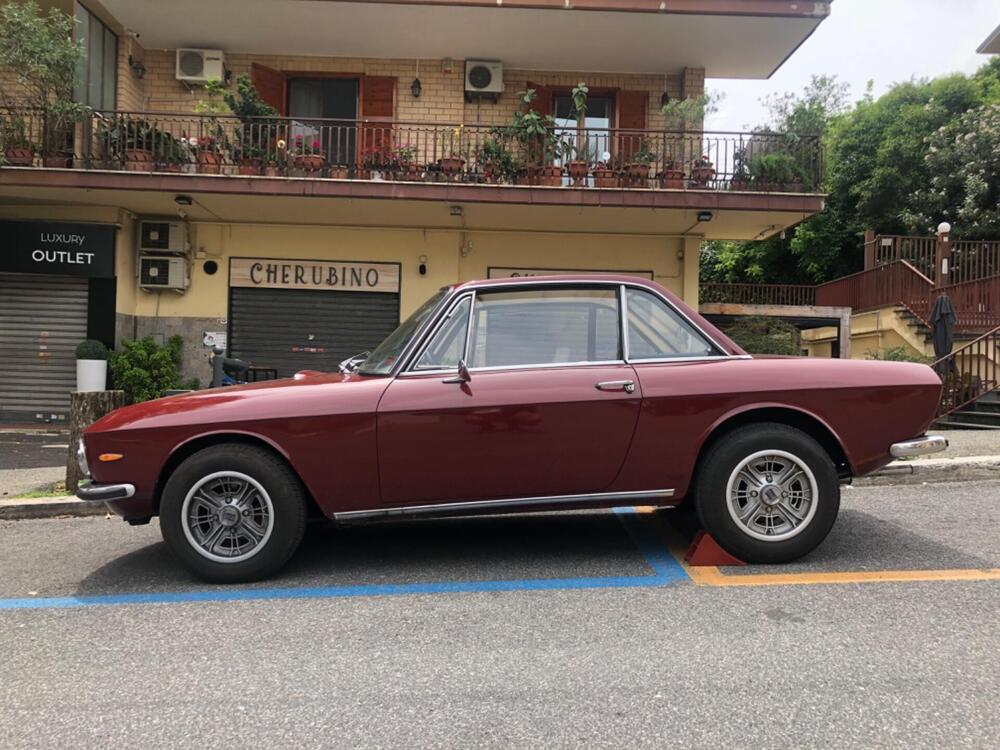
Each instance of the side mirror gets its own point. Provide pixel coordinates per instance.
(464, 376)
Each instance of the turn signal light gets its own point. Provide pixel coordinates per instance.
(110, 457)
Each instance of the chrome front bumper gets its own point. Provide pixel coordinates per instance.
(102, 493)
(920, 446)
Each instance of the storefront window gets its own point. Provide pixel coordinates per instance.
(96, 75)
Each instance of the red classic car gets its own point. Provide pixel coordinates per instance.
(560, 392)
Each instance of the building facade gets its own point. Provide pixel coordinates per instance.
(392, 168)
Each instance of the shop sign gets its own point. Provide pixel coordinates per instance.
(63, 248)
(506, 273)
(280, 273)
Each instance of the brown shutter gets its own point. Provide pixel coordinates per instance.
(544, 95)
(271, 85)
(378, 109)
(631, 117)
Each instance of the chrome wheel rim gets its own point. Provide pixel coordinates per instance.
(772, 495)
(227, 517)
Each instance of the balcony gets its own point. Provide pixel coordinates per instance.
(415, 152)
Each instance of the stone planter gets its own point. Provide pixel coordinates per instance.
(19, 156)
(671, 179)
(248, 167)
(138, 160)
(209, 162)
(91, 375)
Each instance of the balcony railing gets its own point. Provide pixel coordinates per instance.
(969, 259)
(758, 294)
(420, 152)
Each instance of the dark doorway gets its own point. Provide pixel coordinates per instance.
(314, 102)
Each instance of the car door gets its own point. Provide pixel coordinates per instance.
(549, 407)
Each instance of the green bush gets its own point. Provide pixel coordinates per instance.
(761, 335)
(897, 354)
(145, 370)
(91, 349)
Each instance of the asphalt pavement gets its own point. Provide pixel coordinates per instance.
(558, 630)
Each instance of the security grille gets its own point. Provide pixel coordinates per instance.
(292, 330)
(42, 319)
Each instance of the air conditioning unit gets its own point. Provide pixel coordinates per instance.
(162, 236)
(163, 272)
(200, 65)
(483, 78)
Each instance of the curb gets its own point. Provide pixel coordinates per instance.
(932, 470)
(49, 507)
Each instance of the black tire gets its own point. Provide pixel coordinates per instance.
(722, 461)
(287, 512)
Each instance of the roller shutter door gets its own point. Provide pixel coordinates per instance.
(295, 329)
(42, 319)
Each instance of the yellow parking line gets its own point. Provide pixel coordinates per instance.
(710, 575)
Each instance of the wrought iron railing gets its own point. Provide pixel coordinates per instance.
(426, 151)
(969, 259)
(896, 283)
(758, 294)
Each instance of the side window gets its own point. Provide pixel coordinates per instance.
(545, 326)
(447, 346)
(656, 331)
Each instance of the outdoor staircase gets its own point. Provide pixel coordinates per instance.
(970, 395)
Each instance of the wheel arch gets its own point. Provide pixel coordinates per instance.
(791, 416)
(197, 443)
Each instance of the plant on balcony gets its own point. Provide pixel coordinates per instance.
(404, 164)
(578, 155)
(130, 142)
(211, 144)
(536, 138)
(171, 153)
(777, 173)
(455, 153)
(638, 164)
(702, 171)
(494, 160)
(258, 125)
(40, 56)
(307, 154)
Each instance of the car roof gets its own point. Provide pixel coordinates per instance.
(563, 278)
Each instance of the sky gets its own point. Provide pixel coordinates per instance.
(885, 41)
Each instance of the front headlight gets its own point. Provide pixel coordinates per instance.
(81, 459)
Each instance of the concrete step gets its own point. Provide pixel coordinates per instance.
(949, 424)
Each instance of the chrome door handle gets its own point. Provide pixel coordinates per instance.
(617, 385)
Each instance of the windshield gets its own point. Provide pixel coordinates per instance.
(384, 358)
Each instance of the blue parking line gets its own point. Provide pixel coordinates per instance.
(666, 571)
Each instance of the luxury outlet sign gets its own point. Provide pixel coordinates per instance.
(58, 248)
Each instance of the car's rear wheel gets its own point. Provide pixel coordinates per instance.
(233, 513)
(768, 493)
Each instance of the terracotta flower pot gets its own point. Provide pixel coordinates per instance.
(272, 170)
(172, 167)
(606, 178)
(549, 176)
(363, 174)
(138, 160)
(671, 179)
(578, 171)
(209, 162)
(637, 174)
(740, 186)
(339, 172)
(248, 166)
(702, 175)
(310, 162)
(19, 156)
(59, 160)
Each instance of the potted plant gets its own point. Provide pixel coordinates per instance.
(308, 154)
(211, 144)
(91, 366)
(702, 170)
(18, 150)
(606, 172)
(535, 135)
(777, 173)
(672, 176)
(258, 125)
(172, 153)
(455, 154)
(403, 161)
(131, 142)
(374, 160)
(638, 165)
(494, 160)
(39, 53)
(578, 161)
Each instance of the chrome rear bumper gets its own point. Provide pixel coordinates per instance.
(920, 446)
(102, 493)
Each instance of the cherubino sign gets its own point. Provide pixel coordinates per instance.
(62, 248)
(281, 273)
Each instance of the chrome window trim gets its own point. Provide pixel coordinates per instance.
(712, 342)
(462, 505)
(453, 370)
(623, 322)
(668, 360)
(411, 366)
(418, 336)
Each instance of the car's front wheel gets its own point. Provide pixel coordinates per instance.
(768, 493)
(233, 513)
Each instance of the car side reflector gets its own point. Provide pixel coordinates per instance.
(110, 457)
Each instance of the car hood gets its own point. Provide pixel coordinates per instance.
(309, 393)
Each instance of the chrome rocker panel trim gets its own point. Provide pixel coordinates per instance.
(920, 446)
(514, 502)
(102, 493)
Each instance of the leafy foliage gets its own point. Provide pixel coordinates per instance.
(897, 354)
(91, 349)
(145, 370)
(761, 335)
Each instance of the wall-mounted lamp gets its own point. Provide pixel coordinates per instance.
(705, 216)
(138, 69)
(415, 86)
(664, 99)
(943, 228)
(455, 210)
(422, 268)
(183, 200)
